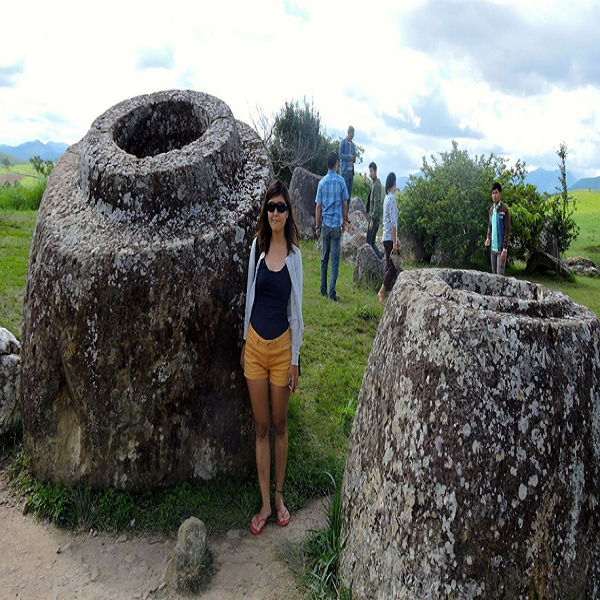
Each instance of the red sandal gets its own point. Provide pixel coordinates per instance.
(283, 516)
(260, 524)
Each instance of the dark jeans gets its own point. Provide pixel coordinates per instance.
(371, 237)
(390, 275)
(331, 238)
(349, 179)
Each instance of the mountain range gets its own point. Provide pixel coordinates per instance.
(545, 181)
(49, 151)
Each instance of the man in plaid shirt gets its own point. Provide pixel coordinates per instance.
(332, 207)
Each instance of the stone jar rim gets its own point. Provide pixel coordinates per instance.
(474, 290)
(178, 168)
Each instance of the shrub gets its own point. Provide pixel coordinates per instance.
(447, 208)
(18, 197)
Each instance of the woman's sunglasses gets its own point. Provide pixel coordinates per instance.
(280, 206)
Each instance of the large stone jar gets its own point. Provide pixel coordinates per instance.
(133, 313)
(473, 466)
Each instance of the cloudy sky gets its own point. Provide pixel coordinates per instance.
(515, 78)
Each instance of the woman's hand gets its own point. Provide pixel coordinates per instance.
(293, 377)
(242, 357)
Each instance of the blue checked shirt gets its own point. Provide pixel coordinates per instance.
(331, 195)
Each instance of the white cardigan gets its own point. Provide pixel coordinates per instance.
(294, 307)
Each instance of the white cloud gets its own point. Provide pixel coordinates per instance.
(511, 77)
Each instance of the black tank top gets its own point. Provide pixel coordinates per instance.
(269, 313)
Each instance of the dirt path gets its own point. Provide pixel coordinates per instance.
(41, 562)
(10, 178)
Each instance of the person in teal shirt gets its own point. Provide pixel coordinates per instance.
(498, 231)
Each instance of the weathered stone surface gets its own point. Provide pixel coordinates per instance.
(540, 262)
(186, 568)
(582, 266)
(9, 344)
(303, 193)
(548, 241)
(356, 204)
(10, 367)
(473, 468)
(355, 234)
(412, 250)
(133, 313)
(368, 269)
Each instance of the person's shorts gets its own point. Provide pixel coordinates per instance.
(268, 359)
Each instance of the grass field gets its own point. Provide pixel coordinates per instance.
(16, 230)
(338, 339)
(584, 290)
(30, 176)
(587, 216)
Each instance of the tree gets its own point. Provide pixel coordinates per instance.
(43, 167)
(562, 207)
(6, 163)
(446, 207)
(294, 137)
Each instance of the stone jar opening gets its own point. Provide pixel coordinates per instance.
(149, 130)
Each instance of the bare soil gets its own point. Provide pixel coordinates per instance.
(40, 562)
(10, 178)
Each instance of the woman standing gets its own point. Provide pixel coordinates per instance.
(273, 330)
(389, 236)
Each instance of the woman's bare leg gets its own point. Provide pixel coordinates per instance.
(280, 397)
(259, 398)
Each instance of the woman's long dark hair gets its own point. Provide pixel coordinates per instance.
(291, 231)
(389, 182)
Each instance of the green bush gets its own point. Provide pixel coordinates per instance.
(447, 208)
(18, 197)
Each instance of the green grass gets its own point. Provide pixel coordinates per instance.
(315, 561)
(32, 177)
(222, 505)
(338, 339)
(16, 230)
(17, 196)
(587, 216)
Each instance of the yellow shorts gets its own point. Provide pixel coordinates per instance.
(268, 358)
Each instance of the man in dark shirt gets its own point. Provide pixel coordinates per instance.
(347, 159)
(374, 208)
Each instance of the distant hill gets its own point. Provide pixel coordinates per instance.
(14, 160)
(591, 183)
(547, 181)
(50, 151)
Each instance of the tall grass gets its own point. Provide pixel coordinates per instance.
(315, 561)
(16, 230)
(17, 196)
